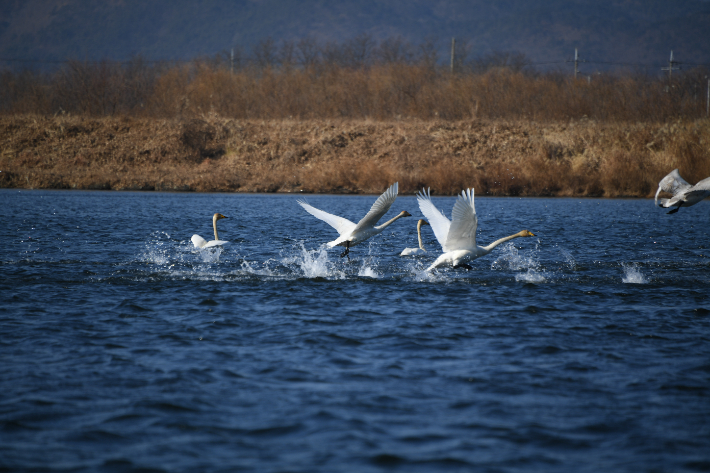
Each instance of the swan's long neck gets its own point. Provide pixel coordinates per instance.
(419, 234)
(214, 224)
(490, 247)
(379, 228)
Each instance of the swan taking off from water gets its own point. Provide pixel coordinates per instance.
(458, 236)
(200, 242)
(352, 234)
(420, 250)
(683, 193)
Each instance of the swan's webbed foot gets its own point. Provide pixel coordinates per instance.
(674, 210)
(347, 250)
(463, 265)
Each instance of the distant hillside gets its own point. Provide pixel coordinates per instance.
(628, 31)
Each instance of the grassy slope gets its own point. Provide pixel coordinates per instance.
(211, 153)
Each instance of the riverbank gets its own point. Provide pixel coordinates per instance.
(215, 154)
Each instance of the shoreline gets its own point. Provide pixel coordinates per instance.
(209, 153)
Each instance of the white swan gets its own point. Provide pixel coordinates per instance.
(683, 193)
(458, 236)
(200, 242)
(420, 250)
(352, 234)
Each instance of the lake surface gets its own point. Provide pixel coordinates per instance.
(123, 348)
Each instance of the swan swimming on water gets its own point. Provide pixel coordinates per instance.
(420, 250)
(352, 234)
(200, 242)
(683, 193)
(458, 236)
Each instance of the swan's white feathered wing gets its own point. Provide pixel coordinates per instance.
(673, 184)
(702, 186)
(379, 208)
(342, 225)
(438, 221)
(464, 222)
(200, 242)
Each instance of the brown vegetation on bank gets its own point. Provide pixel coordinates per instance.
(349, 118)
(213, 153)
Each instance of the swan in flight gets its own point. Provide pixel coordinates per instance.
(458, 236)
(683, 193)
(352, 234)
(420, 250)
(200, 242)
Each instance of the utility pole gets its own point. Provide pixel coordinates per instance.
(453, 47)
(671, 67)
(576, 61)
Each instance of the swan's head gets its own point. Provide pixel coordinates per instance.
(422, 222)
(525, 233)
(218, 216)
(404, 213)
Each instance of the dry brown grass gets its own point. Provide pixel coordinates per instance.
(211, 153)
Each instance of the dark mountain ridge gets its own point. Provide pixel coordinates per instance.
(631, 32)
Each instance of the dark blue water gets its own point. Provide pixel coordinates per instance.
(122, 348)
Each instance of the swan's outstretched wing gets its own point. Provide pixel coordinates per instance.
(438, 221)
(379, 208)
(464, 222)
(341, 225)
(703, 185)
(198, 241)
(673, 184)
(212, 243)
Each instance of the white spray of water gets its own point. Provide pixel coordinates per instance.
(367, 269)
(246, 267)
(313, 263)
(209, 255)
(569, 259)
(632, 274)
(511, 259)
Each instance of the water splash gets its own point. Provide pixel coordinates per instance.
(368, 267)
(313, 263)
(511, 259)
(367, 272)
(569, 259)
(531, 276)
(632, 274)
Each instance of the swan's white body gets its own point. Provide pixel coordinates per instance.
(457, 236)
(684, 195)
(352, 234)
(200, 242)
(420, 250)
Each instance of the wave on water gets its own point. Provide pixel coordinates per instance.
(632, 274)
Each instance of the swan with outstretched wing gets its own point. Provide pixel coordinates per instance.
(201, 243)
(352, 234)
(457, 236)
(684, 194)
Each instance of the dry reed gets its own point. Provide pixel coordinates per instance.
(213, 153)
